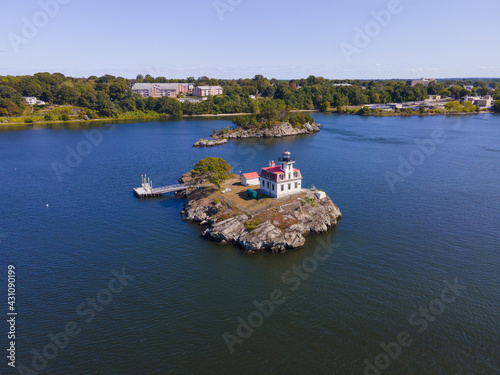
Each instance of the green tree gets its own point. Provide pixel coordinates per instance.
(454, 106)
(496, 106)
(215, 170)
(324, 106)
(468, 107)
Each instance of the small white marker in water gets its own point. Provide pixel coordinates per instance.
(47, 205)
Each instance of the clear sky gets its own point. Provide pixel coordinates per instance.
(241, 38)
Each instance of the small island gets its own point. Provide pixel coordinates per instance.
(270, 211)
(271, 122)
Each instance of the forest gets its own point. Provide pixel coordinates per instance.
(111, 97)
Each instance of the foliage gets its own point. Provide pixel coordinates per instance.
(456, 106)
(496, 106)
(271, 114)
(64, 117)
(252, 224)
(110, 96)
(216, 201)
(309, 200)
(215, 170)
(325, 106)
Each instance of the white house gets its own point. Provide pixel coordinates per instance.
(281, 180)
(31, 100)
(250, 179)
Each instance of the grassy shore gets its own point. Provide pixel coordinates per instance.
(39, 118)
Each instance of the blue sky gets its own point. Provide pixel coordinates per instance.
(242, 38)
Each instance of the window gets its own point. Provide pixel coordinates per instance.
(272, 185)
(268, 184)
(296, 174)
(289, 175)
(282, 187)
(296, 185)
(262, 183)
(289, 186)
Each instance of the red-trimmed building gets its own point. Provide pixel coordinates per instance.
(250, 179)
(281, 180)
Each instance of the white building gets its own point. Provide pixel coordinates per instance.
(250, 179)
(31, 100)
(481, 101)
(281, 180)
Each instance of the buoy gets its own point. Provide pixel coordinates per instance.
(47, 205)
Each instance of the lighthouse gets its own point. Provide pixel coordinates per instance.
(281, 180)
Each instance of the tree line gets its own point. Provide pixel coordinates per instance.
(110, 96)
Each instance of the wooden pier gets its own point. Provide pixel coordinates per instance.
(147, 191)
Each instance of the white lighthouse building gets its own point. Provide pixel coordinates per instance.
(281, 180)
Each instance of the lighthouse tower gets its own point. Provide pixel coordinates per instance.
(287, 162)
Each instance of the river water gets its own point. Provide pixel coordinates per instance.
(413, 265)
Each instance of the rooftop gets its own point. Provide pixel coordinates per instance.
(251, 175)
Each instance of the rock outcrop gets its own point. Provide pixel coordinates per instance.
(276, 229)
(207, 143)
(284, 129)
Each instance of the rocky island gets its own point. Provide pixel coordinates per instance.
(253, 219)
(269, 123)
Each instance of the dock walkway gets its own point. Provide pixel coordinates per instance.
(147, 191)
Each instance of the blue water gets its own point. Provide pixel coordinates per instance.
(391, 253)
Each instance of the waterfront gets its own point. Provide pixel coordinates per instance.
(392, 252)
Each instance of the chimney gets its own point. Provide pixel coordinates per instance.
(271, 163)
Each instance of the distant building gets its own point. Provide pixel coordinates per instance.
(250, 179)
(470, 88)
(189, 87)
(192, 100)
(481, 101)
(208, 90)
(281, 180)
(158, 90)
(433, 98)
(422, 81)
(31, 100)
(342, 84)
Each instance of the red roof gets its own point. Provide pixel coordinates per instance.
(275, 169)
(251, 175)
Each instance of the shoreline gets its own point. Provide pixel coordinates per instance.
(24, 124)
(389, 114)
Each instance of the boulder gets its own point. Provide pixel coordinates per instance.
(228, 230)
